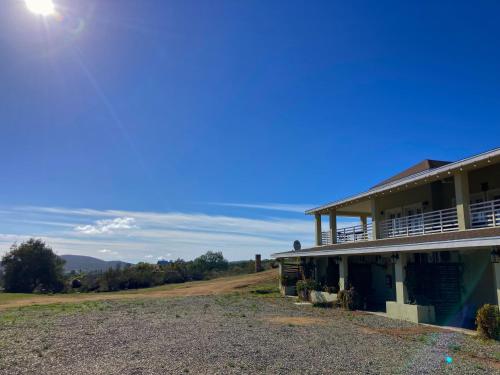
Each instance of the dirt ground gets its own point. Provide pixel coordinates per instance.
(254, 331)
(195, 288)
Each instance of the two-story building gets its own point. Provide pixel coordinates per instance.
(427, 246)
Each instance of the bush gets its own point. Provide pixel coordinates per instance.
(304, 287)
(488, 322)
(349, 299)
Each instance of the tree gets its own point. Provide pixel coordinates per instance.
(210, 261)
(32, 266)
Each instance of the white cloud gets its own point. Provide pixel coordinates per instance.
(107, 226)
(139, 235)
(165, 257)
(299, 208)
(107, 251)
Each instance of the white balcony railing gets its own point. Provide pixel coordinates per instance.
(349, 234)
(425, 223)
(485, 214)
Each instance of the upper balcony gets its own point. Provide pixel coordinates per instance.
(439, 197)
(482, 215)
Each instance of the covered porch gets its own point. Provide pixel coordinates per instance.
(441, 282)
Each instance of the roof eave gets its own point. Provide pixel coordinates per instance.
(410, 179)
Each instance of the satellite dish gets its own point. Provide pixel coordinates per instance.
(296, 245)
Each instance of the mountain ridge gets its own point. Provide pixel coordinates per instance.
(86, 263)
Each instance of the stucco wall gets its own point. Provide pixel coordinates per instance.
(478, 278)
(405, 198)
(382, 292)
(490, 174)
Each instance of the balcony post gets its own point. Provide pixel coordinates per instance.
(400, 275)
(375, 230)
(462, 200)
(317, 218)
(343, 272)
(364, 225)
(333, 225)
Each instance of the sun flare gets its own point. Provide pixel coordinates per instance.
(41, 7)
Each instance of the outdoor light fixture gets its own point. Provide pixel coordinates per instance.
(394, 258)
(495, 255)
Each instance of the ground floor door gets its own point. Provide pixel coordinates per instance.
(360, 277)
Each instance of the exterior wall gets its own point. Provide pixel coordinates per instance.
(402, 199)
(443, 194)
(490, 175)
(382, 291)
(321, 272)
(411, 313)
(478, 279)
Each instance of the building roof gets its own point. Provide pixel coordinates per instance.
(423, 166)
(413, 176)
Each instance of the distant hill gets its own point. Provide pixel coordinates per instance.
(86, 264)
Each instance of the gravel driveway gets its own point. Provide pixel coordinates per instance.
(235, 333)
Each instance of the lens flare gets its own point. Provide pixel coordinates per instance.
(41, 7)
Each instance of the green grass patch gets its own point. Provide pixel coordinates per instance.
(428, 338)
(26, 313)
(8, 297)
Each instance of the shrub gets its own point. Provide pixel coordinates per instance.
(304, 287)
(348, 299)
(488, 322)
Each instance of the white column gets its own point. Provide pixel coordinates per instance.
(375, 231)
(400, 274)
(364, 223)
(343, 272)
(317, 217)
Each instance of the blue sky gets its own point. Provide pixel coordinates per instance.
(145, 129)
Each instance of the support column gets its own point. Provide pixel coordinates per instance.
(496, 269)
(333, 225)
(343, 272)
(364, 223)
(318, 229)
(373, 207)
(400, 275)
(462, 200)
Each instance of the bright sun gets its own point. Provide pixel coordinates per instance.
(41, 7)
